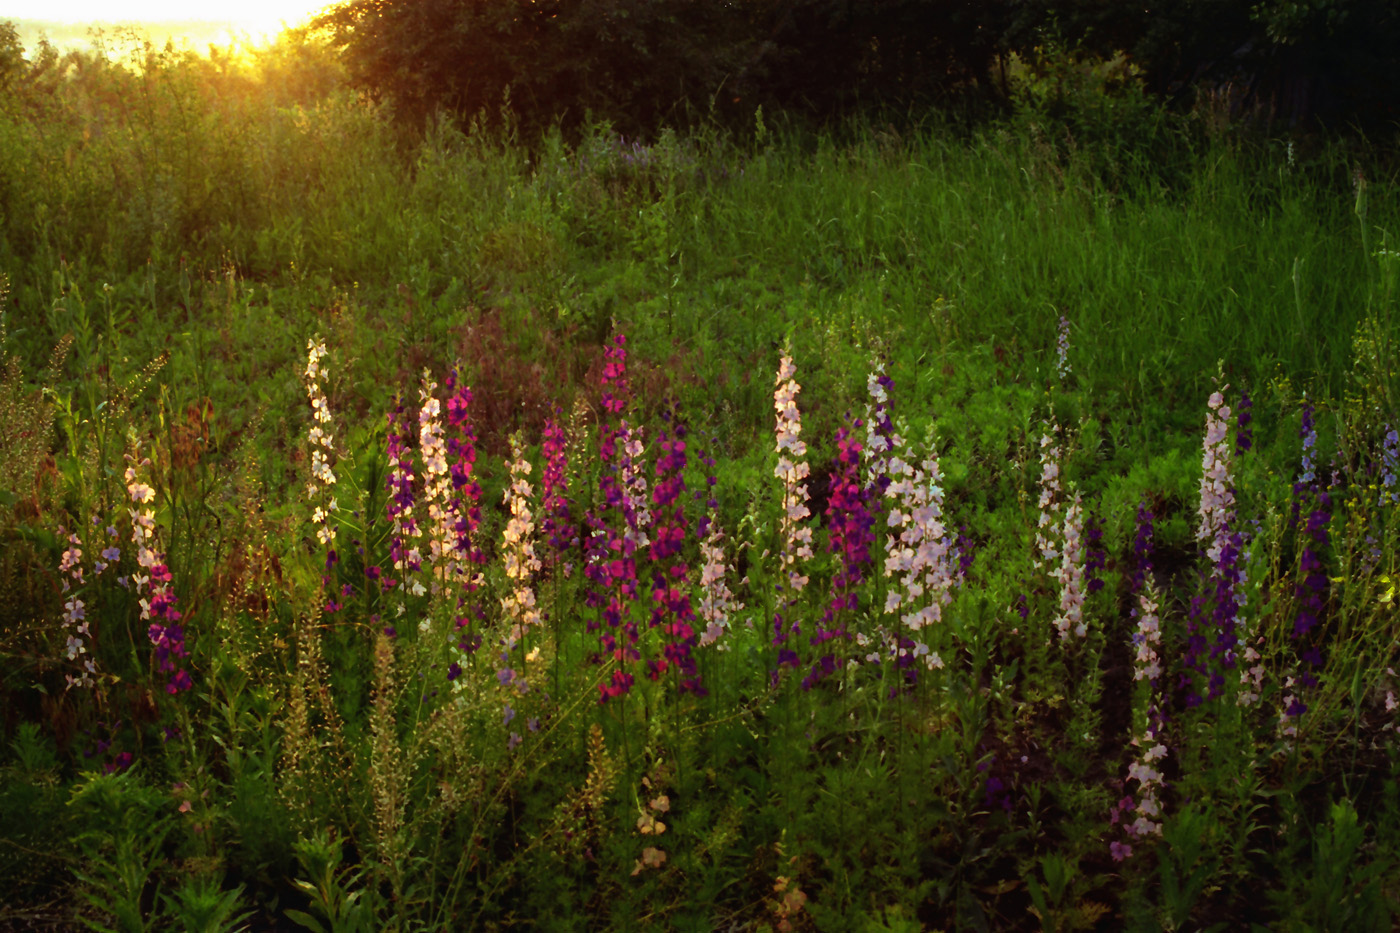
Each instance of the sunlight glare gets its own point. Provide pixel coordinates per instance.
(260, 20)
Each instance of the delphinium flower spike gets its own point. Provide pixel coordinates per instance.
(1222, 546)
(438, 501)
(792, 470)
(611, 560)
(556, 526)
(1062, 367)
(154, 580)
(465, 557)
(1070, 574)
(403, 542)
(1390, 465)
(1047, 543)
(75, 621)
(1308, 433)
(1217, 504)
(632, 470)
(1148, 637)
(518, 548)
(879, 434)
(1251, 675)
(850, 525)
(1148, 720)
(1244, 418)
(916, 549)
(717, 602)
(465, 496)
(321, 487)
(1311, 588)
(672, 611)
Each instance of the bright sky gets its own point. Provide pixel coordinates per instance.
(259, 18)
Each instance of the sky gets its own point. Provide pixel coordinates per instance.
(258, 19)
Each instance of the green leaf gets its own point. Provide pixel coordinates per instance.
(306, 920)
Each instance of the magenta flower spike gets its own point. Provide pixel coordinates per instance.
(465, 494)
(557, 525)
(672, 610)
(614, 535)
(850, 535)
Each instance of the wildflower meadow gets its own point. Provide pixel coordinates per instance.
(788, 531)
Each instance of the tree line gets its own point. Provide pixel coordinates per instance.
(640, 64)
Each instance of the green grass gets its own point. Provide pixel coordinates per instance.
(180, 236)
